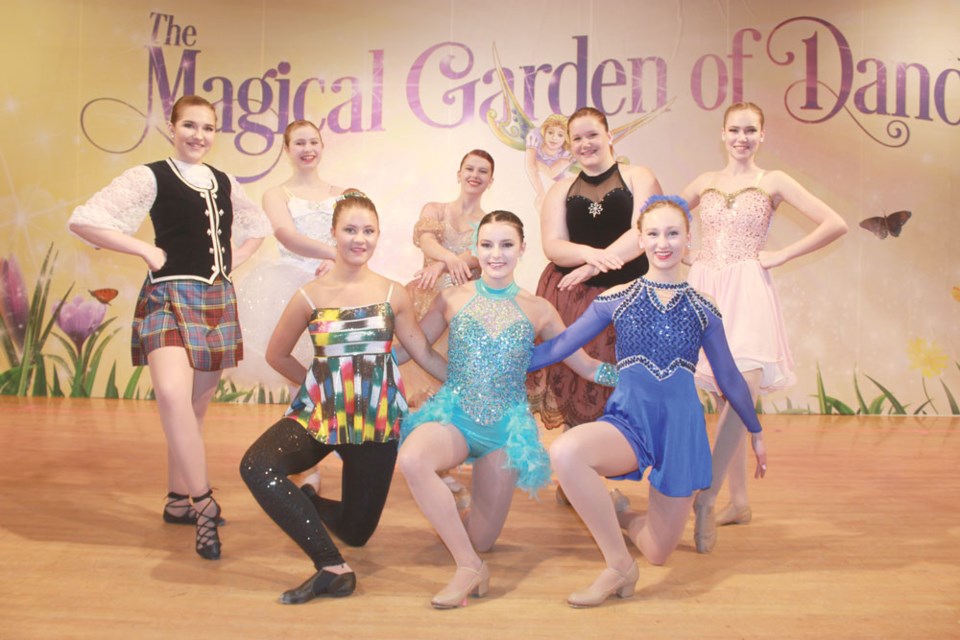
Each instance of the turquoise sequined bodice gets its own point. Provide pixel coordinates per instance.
(491, 342)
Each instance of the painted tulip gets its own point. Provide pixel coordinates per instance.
(79, 318)
(14, 305)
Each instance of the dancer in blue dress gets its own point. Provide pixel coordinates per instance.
(653, 419)
(481, 412)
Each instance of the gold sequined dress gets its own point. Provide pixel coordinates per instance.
(419, 384)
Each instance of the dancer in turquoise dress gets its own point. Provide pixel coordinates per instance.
(481, 413)
(653, 419)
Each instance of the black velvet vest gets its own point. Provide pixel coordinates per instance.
(192, 225)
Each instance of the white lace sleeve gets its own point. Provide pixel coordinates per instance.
(249, 220)
(122, 205)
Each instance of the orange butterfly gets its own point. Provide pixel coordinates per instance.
(882, 226)
(104, 296)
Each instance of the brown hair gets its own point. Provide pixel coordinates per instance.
(296, 124)
(506, 217)
(480, 153)
(353, 198)
(743, 106)
(189, 101)
(588, 112)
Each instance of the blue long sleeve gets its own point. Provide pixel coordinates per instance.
(583, 330)
(728, 377)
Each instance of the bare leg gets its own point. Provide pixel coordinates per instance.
(174, 383)
(729, 451)
(183, 396)
(431, 449)
(580, 457)
(493, 488)
(204, 385)
(657, 532)
(730, 438)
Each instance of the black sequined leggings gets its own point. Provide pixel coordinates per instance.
(287, 448)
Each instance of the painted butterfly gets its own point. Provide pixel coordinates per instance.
(882, 226)
(104, 295)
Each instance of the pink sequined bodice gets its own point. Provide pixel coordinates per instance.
(733, 226)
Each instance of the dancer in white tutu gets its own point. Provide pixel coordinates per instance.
(300, 210)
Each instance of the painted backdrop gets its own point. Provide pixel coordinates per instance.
(862, 101)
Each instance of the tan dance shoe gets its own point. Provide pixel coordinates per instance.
(621, 502)
(476, 586)
(704, 528)
(733, 515)
(610, 582)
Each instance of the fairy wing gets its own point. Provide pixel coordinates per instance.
(621, 132)
(513, 127)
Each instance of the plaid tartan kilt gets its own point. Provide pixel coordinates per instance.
(196, 316)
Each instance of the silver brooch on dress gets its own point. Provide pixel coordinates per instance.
(595, 209)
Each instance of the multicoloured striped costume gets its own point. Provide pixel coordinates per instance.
(350, 403)
(352, 393)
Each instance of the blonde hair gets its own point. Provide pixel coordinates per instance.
(556, 120)
(743, 106)
(657, 201)
(296, 124)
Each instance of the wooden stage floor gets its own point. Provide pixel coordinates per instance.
(856, 534)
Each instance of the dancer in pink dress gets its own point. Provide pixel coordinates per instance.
(736, 206)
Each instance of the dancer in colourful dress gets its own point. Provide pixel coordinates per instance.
(300, 211)
(653, 419)
(587, 220)
(736, 209)
(481, 413)
(185, 323)
(350, 402)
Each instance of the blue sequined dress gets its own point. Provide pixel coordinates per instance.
(491, 341)
(655, 405)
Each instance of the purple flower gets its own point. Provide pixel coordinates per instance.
(79, 318)
(14, 306)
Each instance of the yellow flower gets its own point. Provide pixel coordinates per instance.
(956, 293)
(927, 357)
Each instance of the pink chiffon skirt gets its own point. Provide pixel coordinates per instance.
(752, 321)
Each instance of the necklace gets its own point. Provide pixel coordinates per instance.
(497, 294)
